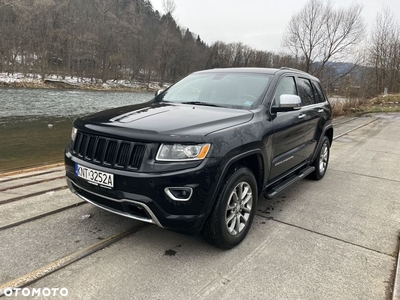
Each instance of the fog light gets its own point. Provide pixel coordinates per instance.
(179, 193)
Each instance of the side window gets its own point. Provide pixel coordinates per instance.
(306, 91)
(319, 95)
(287, 85)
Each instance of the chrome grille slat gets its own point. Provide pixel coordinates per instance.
(110, 152)
(123, 155)
(77, 144)
(98, 154)
(83, 145)
(90, 148)
(137, 156)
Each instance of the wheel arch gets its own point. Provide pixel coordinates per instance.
(217, 229)
(329, 134)
(252, 159)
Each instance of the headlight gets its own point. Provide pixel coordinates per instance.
(73, 133)
(178, 152)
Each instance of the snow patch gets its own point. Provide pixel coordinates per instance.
(21, 78)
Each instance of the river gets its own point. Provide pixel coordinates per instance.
(35, 124)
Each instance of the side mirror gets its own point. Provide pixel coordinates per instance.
(287, 103)
(158, 92)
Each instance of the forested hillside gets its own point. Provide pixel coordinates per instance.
(111, 39)
(128, 39)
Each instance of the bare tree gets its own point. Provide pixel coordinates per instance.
(168, 46)
(43, 20)
(385, 52)
(169, 6)
(322, 33)
(108, 39)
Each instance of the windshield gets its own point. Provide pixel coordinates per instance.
(235, 90)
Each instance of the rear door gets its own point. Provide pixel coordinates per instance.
(314, 111)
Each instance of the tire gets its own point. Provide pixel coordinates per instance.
(233, 213)
(321, 161)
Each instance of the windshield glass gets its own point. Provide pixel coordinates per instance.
(235, 90)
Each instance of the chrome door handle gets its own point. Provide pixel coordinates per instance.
(302, 116)
(321, 110)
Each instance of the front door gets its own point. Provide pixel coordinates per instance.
(289, 132)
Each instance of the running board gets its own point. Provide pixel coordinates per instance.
(288, 182)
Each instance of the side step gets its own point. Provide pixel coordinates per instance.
(288, 182)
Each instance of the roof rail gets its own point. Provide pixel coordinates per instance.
(292, 69)
(295, 70)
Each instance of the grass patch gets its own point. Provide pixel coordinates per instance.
(387, 103)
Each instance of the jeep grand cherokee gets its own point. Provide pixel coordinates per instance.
(197, 156)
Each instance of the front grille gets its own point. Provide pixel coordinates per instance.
(113, 153)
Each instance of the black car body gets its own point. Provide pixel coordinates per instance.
(174, 161)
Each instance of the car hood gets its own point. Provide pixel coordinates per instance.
(165, 119)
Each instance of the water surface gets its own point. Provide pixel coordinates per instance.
(35, 124)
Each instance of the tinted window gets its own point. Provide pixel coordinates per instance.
(306, 91)
(286, 86)
(319, 95)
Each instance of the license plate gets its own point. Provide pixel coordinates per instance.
(95, 177)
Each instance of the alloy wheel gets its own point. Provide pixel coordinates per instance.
(323, 158)
(238, 208)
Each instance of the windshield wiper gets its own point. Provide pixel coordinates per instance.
(201, 103)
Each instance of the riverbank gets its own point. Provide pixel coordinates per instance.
(35, 124)
(34, 81)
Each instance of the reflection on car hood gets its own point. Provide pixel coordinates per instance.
(171, 119)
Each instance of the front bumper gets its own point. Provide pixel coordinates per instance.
(142, 213)
(143, 197)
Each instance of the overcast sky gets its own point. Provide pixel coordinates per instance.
(257, 23)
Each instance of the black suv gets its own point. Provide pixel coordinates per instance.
(197, 156)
